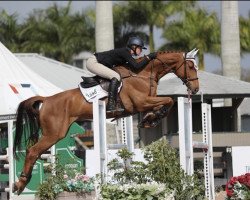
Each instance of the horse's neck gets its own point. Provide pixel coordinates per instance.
(125, 71)
(155, 68)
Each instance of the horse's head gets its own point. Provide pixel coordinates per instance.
(182, 64)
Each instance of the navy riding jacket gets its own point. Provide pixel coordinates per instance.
(119, 56)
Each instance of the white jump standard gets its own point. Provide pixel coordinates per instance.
(186, 143)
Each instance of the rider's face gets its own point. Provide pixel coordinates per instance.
(138, 50)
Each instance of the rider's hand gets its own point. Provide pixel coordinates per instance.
(152, 56)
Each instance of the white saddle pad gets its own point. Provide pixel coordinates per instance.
(96, 92)
(92, 93)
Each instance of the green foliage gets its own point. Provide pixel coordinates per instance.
(244, 34)
(47, 190)
(128, 171)
(8, 30)
(123, 29)
(54, 32)
(161, 167)
(191, 31)
(57, 33)
(61, 179)
(163, 163)
(140, 14)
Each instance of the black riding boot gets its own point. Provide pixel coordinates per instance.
(113, 89)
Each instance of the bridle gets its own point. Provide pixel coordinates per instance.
(166, 69)
(185, 80)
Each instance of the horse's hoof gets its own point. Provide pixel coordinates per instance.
(14, 187)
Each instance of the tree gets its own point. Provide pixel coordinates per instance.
(104, 32)
(230, 39)
(57, 33)
(196, 29)
(245, 43)
(244, 34)
(122, 28)
(9, 29)
(140, 14)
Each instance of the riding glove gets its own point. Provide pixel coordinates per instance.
(152, 55)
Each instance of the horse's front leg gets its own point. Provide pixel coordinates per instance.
(159, 108)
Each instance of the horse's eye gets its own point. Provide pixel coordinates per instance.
(190, 64)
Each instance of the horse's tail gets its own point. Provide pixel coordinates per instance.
(27, 123)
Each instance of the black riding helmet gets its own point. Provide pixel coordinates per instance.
(135, 41)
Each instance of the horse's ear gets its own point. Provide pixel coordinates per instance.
(196, 52)
(192, 53)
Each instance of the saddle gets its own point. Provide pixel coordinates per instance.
(93, 81)
(89, 82)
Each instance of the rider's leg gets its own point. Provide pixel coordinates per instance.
(113, 89)
(101, 70)
(105, 72)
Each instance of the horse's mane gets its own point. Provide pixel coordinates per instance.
(169, 51)
(161, 52)
(126, 67)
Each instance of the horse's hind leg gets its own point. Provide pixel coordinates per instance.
(33, 153)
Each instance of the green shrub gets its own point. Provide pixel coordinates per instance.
(162, 167)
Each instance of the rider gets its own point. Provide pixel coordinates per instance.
(101, 64)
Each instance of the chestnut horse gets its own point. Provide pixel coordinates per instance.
(54, 114)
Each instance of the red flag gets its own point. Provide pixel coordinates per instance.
(13, 89)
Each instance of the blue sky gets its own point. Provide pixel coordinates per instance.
(212, 63)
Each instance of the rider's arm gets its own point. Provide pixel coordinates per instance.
(138, 65)
(132, 62)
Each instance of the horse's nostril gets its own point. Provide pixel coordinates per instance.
(195, 90)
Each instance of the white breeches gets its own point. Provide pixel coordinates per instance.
(101, 70)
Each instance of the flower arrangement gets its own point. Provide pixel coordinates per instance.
(135, 191)
(63, 179)
(75, 182)
(238, 187)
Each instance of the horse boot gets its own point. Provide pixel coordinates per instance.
(160, 114)
(112, 98)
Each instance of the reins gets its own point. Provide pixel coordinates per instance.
(165, 67)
